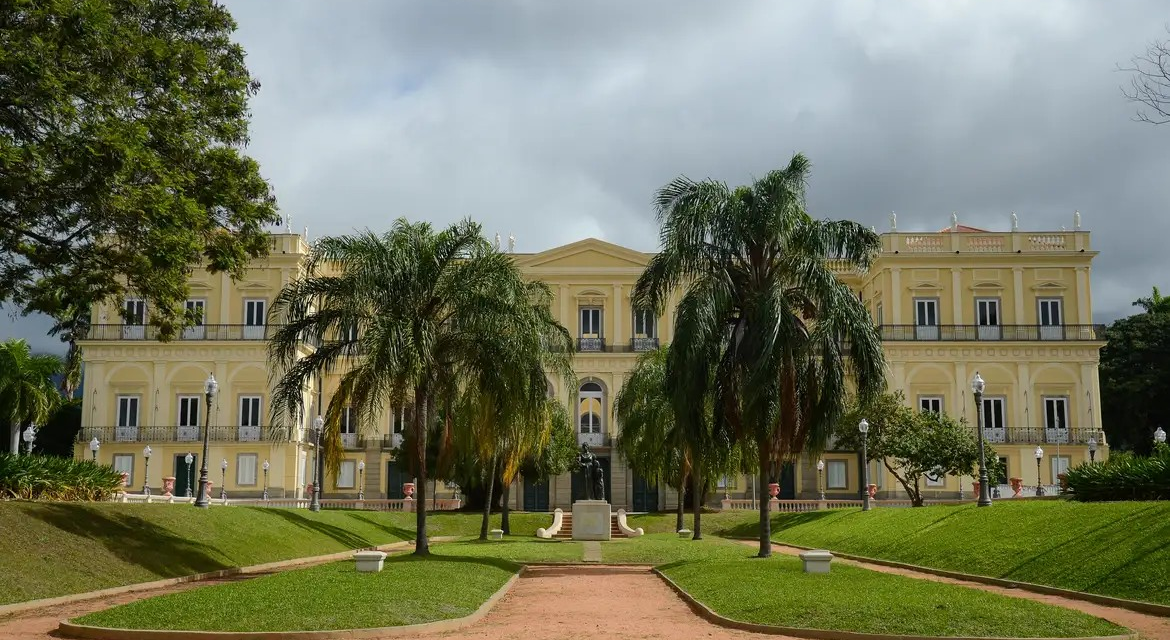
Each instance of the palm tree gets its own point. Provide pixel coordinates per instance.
(433, 311)
(1156, 303)
(27, 393)
(651, 441)
(764, 310)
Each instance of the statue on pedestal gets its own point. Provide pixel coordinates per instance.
(590, 467)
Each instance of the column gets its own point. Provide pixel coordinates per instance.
(1085, 401)
(1084, 314)
(618, 318)
(1018, 314)
(1020, 412)
(962, 386)
(956, 296)
(225, 300)
(895, 301)
(564, 312)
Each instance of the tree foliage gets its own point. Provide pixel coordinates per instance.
(441, 319)
(27, 393)
(1135, 380)
(913, 444)
(121, 129)
(764, 324)
(1154, 303)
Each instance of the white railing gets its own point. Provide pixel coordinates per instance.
(591, 439)
(803, 506)
(404, 504)
(349, 440)
(1047, 242)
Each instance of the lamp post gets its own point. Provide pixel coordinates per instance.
(146, 471)
(977, 386)
(94, 445)
(264, 496)
(1159, 436)
(1039, 486)
(190, 474)
(209, 389)
(315, 501)
(863, 427)
(223, 479)
(820, 478)
(361, 485)
(30, 436)
(1092, 449)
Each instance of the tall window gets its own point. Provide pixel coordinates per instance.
(246, 469)
(936, 478)
(188, 420)
(254, 319)
(249, 418)
(590, 408)
(994, 413)
(1050, 313)
(124, 462)
(348, 428)
(987, 318)
(836, 474)
(196, 312)
(590, 334)
(133, 319)
(931, 404)
(645, 330)
(1055, 412)
(926, 318)
(878, 312)
(127, 419)
(1059, 465)
(347, 475)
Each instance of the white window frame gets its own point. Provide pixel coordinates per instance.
(878, 313)
(246, 463)
(935, 479)
(995, 419)
(119, 464)
(251, 408)
(926, 325)
(255, 331)
(931, 403)
(841, 465)
(594, 324)
(134, 323)
(188, 429)
(1051, 323)
(198, 331)
(126, 421)
(342, 482)
(988, 318)
(599, 396)
(644, 318)
(1058, 464)
(1056, 418)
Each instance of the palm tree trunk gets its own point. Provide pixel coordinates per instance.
(421, 403)
(765, 518)
(698, 500)
(504, 511)
(487, 503)
(435, 494)
(678, 520)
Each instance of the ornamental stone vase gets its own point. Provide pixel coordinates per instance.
(168, 486)
(773, 489)
(872, 489)
(408, 489)
(975, 487)
(208, 491)
(125, 478)
(1017, 484)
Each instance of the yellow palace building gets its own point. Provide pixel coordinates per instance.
(1014, 306)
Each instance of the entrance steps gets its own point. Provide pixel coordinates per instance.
(566, 532)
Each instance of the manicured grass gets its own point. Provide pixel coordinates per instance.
(514, 550)
(775, 591)
(1119, 549)
(332, 596)
(663, 548)
(53, 549)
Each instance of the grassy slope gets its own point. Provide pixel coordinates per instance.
(1119, 549)
(52, 549)
(331, 596)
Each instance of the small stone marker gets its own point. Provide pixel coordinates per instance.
(496, 534)
(684, 533)
(369, 561)
(816, 561)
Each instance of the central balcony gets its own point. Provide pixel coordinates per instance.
(593, 439)
(1043, 435)
(601, 345)
(991, 333)
(222, 332)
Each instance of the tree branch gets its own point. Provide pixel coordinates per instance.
(1150, 82)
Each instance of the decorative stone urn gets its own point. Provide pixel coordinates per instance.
(408, 489)
(773, 489)
(1017, 484)
(975, 487)
(207, 492)
(125, 478)
(309, 489)
(168, 486)
(872, 489)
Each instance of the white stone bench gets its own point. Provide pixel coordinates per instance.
(816, 561)
(496, 534)
(369, 561)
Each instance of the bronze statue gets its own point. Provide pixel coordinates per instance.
(590, 467)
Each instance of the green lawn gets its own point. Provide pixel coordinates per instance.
(53, 549)
(514, 550)
(325, 597)
(1119, 549)
(663, 548)
(776, 591)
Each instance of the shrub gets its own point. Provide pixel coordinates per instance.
(51, 478)
(1122, 477)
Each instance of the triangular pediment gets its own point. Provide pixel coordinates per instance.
(252, 286)
(1048, 286)
(584, 254)
(987, 286)
(925, 286)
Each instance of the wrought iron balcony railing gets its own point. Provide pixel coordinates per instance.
(590, 344)
(181, 434)
(226, 332)
(1043, 435)
(594, 439)
(994, 333)
(644, 344)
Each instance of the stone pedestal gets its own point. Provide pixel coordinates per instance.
(369, 561)
(496, 534)
(816, 561)
(591, 520)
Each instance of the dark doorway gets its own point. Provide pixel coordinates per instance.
(579, 482)
(395, 478)
(645, 495)
(185, 474)
(787, 482)
(535, 495)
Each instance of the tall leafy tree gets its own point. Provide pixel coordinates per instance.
(434, 311)
(1154, 303)
(764, 324)
(121, 129)
(1135, 377)
(27, 393)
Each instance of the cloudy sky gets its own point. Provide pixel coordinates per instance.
(557, 121)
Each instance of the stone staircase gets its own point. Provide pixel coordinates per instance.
(566, 532)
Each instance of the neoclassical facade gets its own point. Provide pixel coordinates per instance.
(1014, 306)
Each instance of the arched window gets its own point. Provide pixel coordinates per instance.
(590, 407)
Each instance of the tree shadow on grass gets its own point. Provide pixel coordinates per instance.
(343, 536)
(486, 561)
(789, 520)
(133, 540)
(402, 533)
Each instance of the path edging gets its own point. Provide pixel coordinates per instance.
(1109, 601)
(28, 605)
(709, 615)
(84, 632)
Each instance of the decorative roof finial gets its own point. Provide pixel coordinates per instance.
(954, 221)
(497, 245)
(306, 234)
(288, 224)
(1077, 220)
(1015, 222)
(511, 243)
(893, 221)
